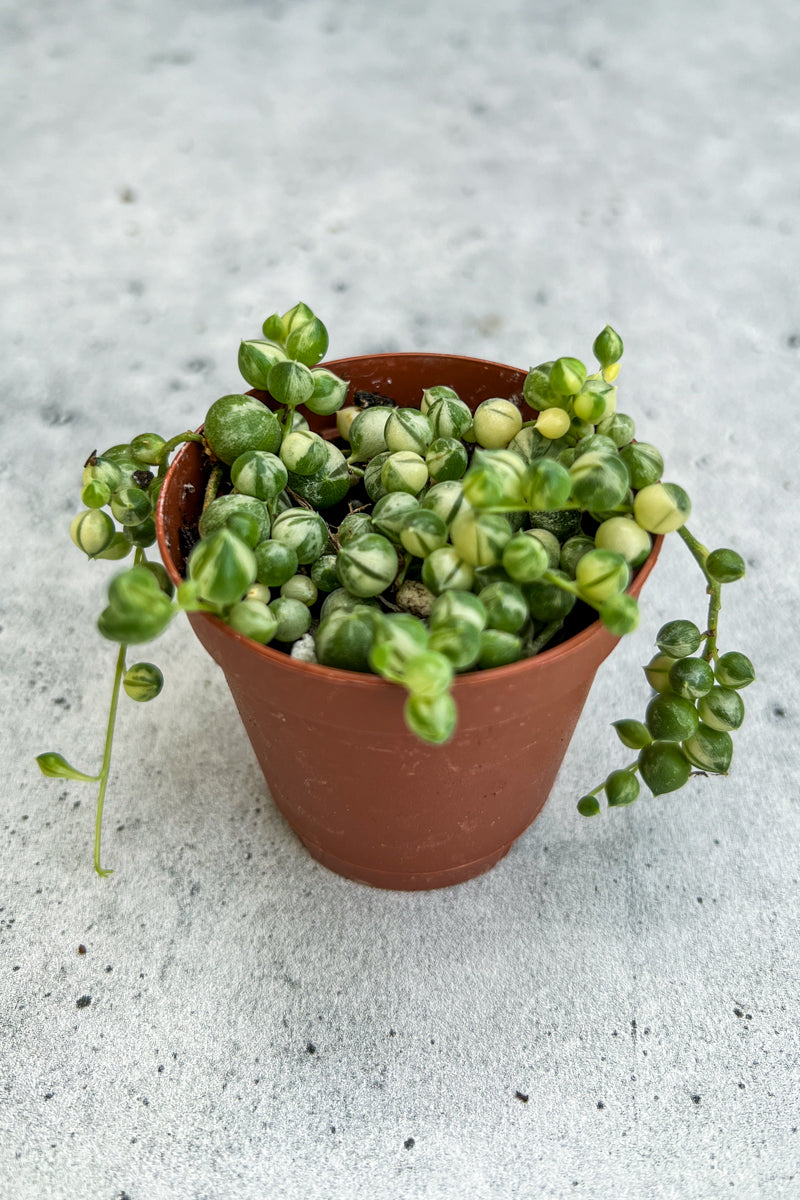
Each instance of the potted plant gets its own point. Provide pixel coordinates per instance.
(409, 568)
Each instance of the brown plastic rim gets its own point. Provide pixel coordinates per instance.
(369, 800)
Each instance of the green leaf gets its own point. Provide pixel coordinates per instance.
(607, 347)
(664, 767)
(128, 627)
(256, 360)
(620, 614)
(273, 329)
(223, 567)
(724, 566)
(432, 719)
(143, 681)
(633, 734)
(622, 787)
(734, 670)
(308, 343)
(709, 749)
(291, 383)
(55, 766)
(299, 315)
(567, 376)
(138, 610)
(679, 639)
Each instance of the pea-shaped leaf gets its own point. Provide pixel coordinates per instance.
(620, 614)
(433, 720)
(607, 347)
(290, 383)
(308, 342)
(709, 749)
(621, 787)
(223, 567)
(55, 766)
(664, 767)
(679, 639)
(725, 566)
(143, 681)
(633, 734)
(734, 670)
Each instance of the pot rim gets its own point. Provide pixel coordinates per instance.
(365, 679)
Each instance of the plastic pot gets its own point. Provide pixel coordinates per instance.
(368, 799)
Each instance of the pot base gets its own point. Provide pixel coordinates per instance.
(406, 881)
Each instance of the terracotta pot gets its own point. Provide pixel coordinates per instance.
(366, 797)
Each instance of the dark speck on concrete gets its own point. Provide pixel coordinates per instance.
(778, 712)
(738, 1012)
(49, 1095)
(409, 1143)
(311, 1048)
(109, 969)
(600, 1104)
(522, 1096)
(199, 366)
(83, 1001)
(127, 195)
(172, 58)
(62, 702)
(695, 1099)
(52, 415)
(81, 949)
(793, 341)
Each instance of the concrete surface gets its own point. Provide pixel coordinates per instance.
(613, 1011)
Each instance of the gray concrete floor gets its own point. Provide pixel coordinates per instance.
(491, 180)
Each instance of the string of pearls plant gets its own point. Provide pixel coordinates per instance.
(418, 544)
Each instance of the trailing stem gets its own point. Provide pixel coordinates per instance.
(700, 554)
(104, 770)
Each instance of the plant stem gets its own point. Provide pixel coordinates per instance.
(400, 578)
(212, 487)
(570, 506)
(104, 770)
(173, 444)
(700, 554)
(696, 548)
(545, 636)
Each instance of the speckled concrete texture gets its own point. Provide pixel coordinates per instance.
(613, 1011)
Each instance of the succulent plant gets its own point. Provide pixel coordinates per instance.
(419, 544)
